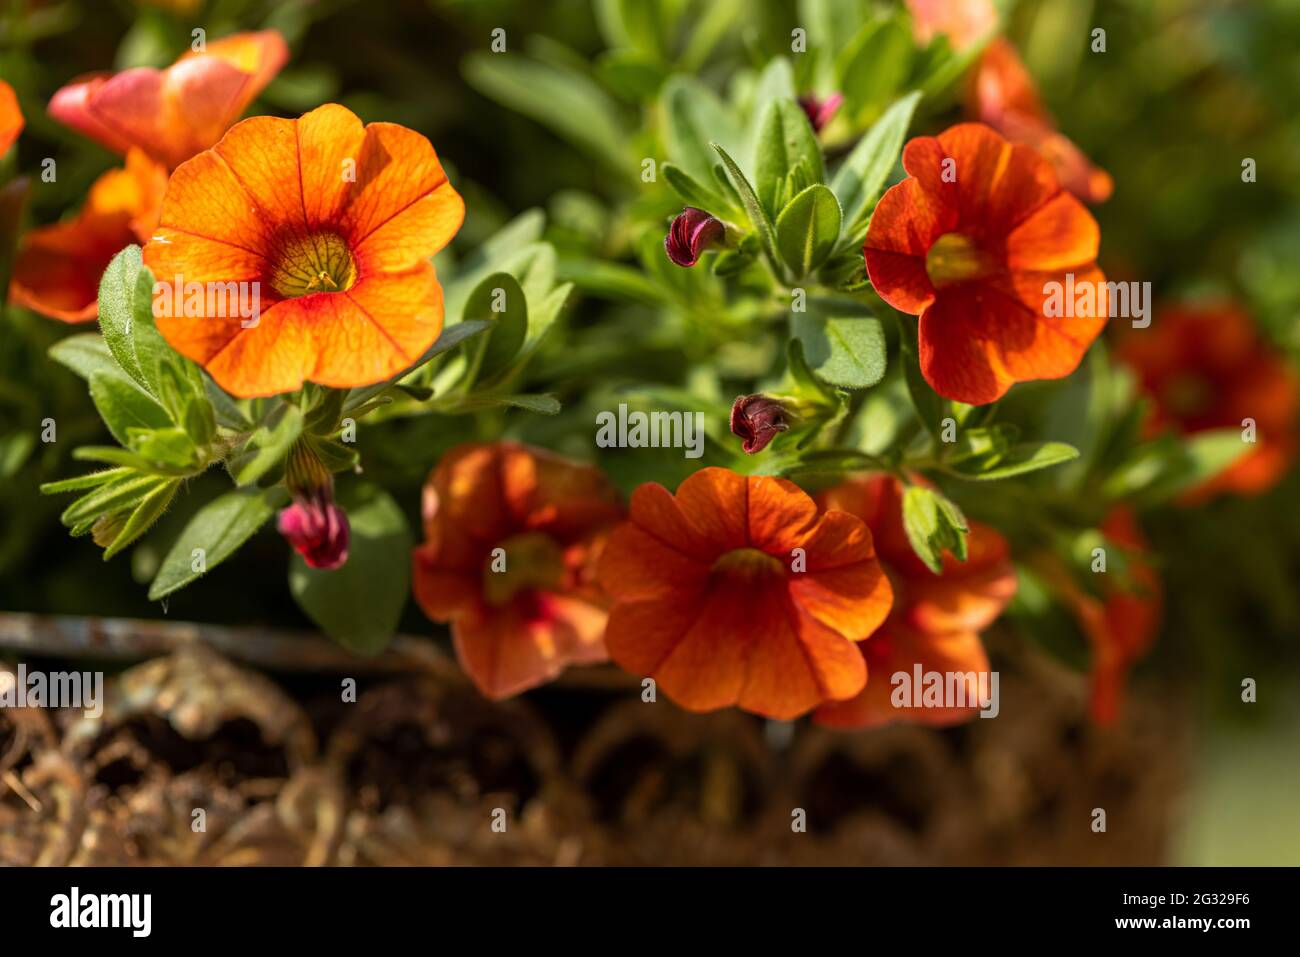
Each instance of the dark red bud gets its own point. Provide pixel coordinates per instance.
(820, 111)
(317, 529)
(692, 232)
(757, 419)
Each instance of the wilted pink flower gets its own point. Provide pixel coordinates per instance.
(757, 419)
(692, 232)
(820, 111)
(317, 529)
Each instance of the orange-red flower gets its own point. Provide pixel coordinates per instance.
(1002, 94)
(58, 267)
(175, 113)
(11, 117)
(333, 224)
(980, 240)
(936, 619)
(736, 591)
(512, 536)
(962, 21)
(1121, 625)
(1207, 368)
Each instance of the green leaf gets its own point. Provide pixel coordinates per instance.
(360, 604)
(113, 496)
(126, 320)
(542, 404)
(143, 517)
(933, 524)
(117, 292)
(90, 480)
(848, 351)
(693, 118)
(267, 447)
(500, 300)
(123, 406)
(758, 217)
(219, 528)
(563, 99)
(786, 139)
(225, 409)
(875, 64)
(1017, 460)
(864, 171)
(808, 229)
(171, 446)
(85, 354)
(692, 192)
(805, 383)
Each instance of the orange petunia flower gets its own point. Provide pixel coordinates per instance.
(175, 113)
(1121, 625)
(998, 260)
(512, 535)
(1002, 94)
(331, 224)
(737, 592)
(58, 267)
(936, 619)
(1207, 368)
(11, 117)
(962, 21)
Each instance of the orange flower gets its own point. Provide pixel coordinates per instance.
(1121, 626)
(175, 113)
(980, 241)
(332, 224)
(512, 535)
(11, 117)
(1002, 94)
(961, 21)
(936, 619)
(58, 267)
(737, 591)
(1207, 368)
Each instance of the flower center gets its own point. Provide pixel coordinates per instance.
(526, 561)
(320, 262)
(747, 564)
(956, 258)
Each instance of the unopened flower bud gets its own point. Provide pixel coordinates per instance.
(757, 419)
(692, 232)
(820, 111)
(315, 526)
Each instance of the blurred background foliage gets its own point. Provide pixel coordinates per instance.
(1186, 90)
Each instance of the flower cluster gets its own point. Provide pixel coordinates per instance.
(895, 351)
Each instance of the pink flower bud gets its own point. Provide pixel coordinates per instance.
(757, 419)
(819, 111)
(692, 232)
(317, 529)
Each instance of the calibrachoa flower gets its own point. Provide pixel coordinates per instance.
(314, 525)
(175, 113)
(692, 232)
(1207, 368)
(58, 267)
(820, 110)
(736, 591)
(757, 419)
(11, 117)
(936, 619)
(970, 241)
(1002, 94)
(1121, 625)
(335, 223)
(961, 21)
(512, 536)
